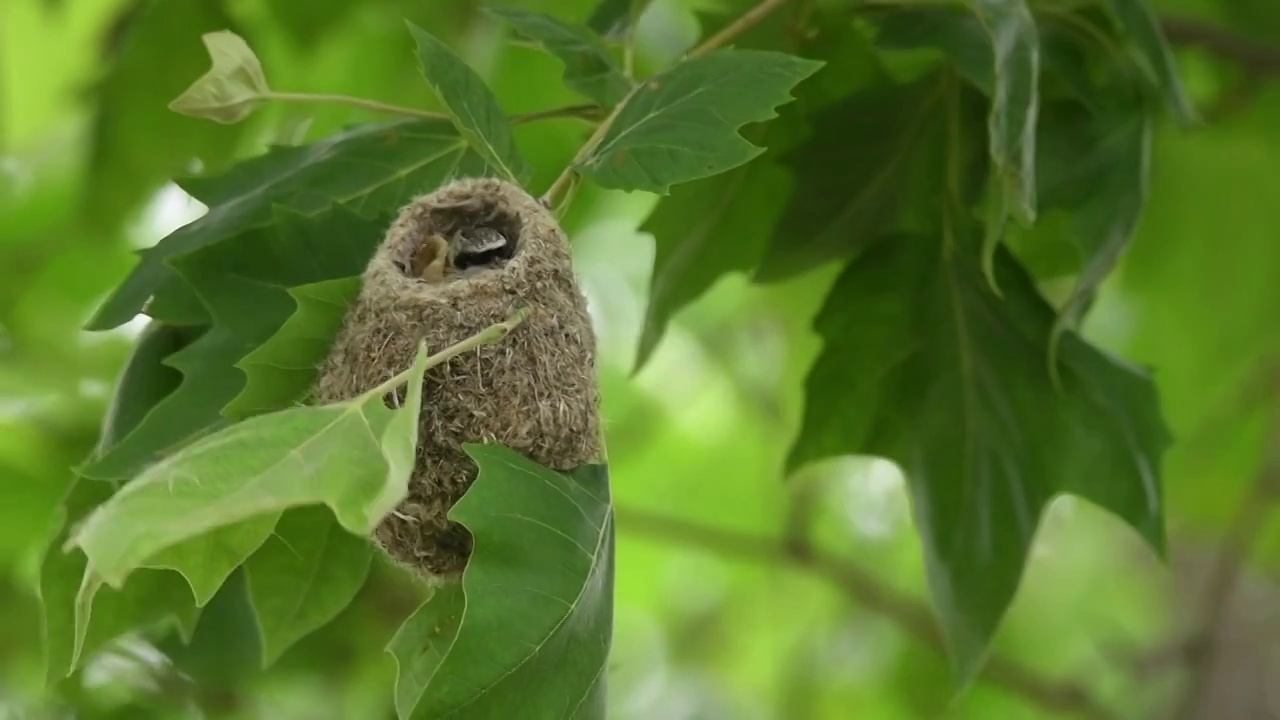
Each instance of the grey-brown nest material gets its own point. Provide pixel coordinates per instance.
(535, 391)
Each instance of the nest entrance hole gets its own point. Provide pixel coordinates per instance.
(475, 234)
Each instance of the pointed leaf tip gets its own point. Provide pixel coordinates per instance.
(231, 89)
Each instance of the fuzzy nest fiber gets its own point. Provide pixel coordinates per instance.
(534, 391)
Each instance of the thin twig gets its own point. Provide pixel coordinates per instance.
(580, 112)
(586, 112)
(363, 103)
(749, 19)
(487, 336)
(863, 588)
(1223, 579)
(566, 175)
(1254, 56)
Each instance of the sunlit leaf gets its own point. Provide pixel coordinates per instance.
(370, 168)
(306, 573)
(683, 123)
(151, 596)
(923, 364)
(537, 607)
(232, 87)
(472, 105)
(588, 66)
(280, 370)
(353, 456)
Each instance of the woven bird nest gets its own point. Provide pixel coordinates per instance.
(453, 263)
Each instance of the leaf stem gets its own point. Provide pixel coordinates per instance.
(863, 588)
(566, 175)
(585, 112)
(749, 19)
(364, 103)
(487, 336)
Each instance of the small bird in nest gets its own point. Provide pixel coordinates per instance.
(477, 248)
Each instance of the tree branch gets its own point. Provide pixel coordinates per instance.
(749, 19)
(1257, 58)
(912, 616)
(1246, 527)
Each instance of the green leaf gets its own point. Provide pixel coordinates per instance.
(207, 560)
(241, 284)
(151, 596)
(137, 143)
(683, 124)
(370, 168)
(353, 456)
(611, 17)
(1002, 36)
(924, 365)
(280, 371)
(1096, 170)
(472, 105)
(143, 383)
(1014, 109)
(231, 89)
(589, 68)
(422, 642)
(853, 173)
(703, 230)
(955, 32)
(537, 616)
(1141, 24)
(305, 574)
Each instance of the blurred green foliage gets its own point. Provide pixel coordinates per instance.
(704, 431)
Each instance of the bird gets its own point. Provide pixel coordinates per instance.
(470, 249)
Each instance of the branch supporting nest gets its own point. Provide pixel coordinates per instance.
(912, 616)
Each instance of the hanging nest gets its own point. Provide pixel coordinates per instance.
(455, 262)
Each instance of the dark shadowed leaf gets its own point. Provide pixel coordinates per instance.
(472, 105)
(1015, 105)
(589, 67)
(703, 230)
(1140, 23)
(611, 17)
(242, 284)
(683, 124)
(852, 173)
(1002, 36)
(923, 364)
(354, 456)
(370, 168)
(537, 612)
(954, 32)
(143, 383)
(303, 576)
(1095, 169)
(279, 372)
(137, 142)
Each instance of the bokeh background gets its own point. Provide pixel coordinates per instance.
(708, 624)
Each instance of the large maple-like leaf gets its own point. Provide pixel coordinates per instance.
(923, 364)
